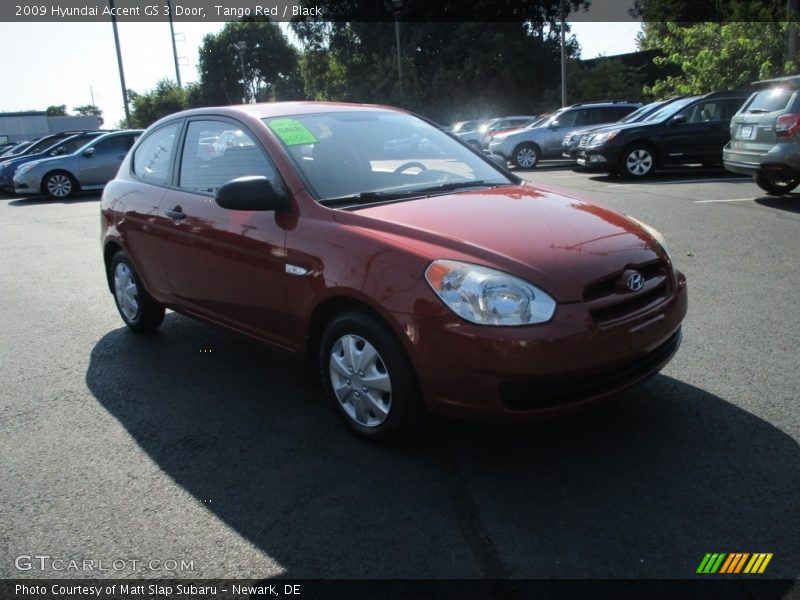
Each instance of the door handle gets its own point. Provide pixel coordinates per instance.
(176, 213)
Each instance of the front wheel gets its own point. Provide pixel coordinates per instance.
(138, 309)
(59, 185)
(368, 377)
(526, 156)
(638, 162)
(776, 188)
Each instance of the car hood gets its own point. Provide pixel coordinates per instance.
(558, 243)
(13, 162)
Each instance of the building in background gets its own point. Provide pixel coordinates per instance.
(19, 126)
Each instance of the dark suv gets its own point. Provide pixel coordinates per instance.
(763, 142)
(526, 147)
(687, 131)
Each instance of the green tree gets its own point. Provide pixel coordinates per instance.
(451, 70)
(166, 98)
(719, 56)
(89, 110)
(270, 65)
(604, 78)
(59, 110)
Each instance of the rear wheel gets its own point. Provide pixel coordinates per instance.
(638, 161)
(368, 377)
(526, 156)
(59, 185)
(776, 188)
(139, 310)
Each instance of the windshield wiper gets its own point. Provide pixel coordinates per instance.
(379, 196)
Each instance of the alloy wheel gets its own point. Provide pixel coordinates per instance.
(639, 162)
(59, 185)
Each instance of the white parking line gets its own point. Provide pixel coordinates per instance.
(727, 200)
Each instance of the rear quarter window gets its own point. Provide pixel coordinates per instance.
(151, 159)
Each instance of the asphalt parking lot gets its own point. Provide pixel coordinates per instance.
(201, 446)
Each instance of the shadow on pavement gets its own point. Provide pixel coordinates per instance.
(789, 203)
(674, 175)
(641, 487)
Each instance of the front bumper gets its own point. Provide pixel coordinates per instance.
(527, 373)
(27, 183)
(600, 158)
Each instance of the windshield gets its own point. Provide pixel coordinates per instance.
(553, 117)
(641, 112)
(670, 109)
(368, 155)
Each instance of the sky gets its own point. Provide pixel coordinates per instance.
(46, 64)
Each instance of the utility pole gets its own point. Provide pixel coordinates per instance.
(91, 93)
(119, 64)
(397, 6)
(174, 47)
(792, 11)
(241, 47)
(564, 60)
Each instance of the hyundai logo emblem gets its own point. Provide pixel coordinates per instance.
(635, 281)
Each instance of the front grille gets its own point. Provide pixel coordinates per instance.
(543, 393)
(608, 300)
(584, 141)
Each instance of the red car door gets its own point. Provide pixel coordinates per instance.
(225, 265)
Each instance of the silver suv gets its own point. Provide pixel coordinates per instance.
(765, 136)
(527, 147)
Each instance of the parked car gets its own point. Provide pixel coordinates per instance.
(447, 284)
(16, 149)
(577, 139)
(89, 167)
(51, 145)
(764, 142)
(463, 126)
(690, 130)
(526, 148)
(487, 139)
(475, 138)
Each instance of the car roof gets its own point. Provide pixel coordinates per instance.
(266, 110)
(790, 80)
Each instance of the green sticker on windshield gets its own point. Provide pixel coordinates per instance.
(292, 132)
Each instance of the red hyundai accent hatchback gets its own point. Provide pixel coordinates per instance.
(417, 273)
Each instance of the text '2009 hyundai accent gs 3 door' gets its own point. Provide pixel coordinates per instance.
(420, 279)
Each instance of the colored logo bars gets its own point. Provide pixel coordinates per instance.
(736, 562)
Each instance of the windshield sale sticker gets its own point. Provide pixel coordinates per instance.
(292, 132)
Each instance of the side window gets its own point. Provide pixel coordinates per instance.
(567, 118)
(617, 113)
(216, 152)
(703, 112)
(115, 145)
(152, 157)
(583, 117)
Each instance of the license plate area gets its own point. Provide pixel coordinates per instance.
(747, 132)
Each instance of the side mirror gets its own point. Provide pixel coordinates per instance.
(89, 152)
(251, 193)
(678, 120)
(498, 160)
(554, 125)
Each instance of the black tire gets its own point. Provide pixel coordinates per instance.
(147, 314)
(370, 412)
(526, 156)
(638, 161)
(776, 188)
(59, 185)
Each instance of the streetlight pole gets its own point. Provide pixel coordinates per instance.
(563, 61)
(241, 47)
(174, 47)
(119, 64)
(397, 6)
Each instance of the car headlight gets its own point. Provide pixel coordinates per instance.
(602, 138)
(25, 168)
(655, 233)
(486, 296)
